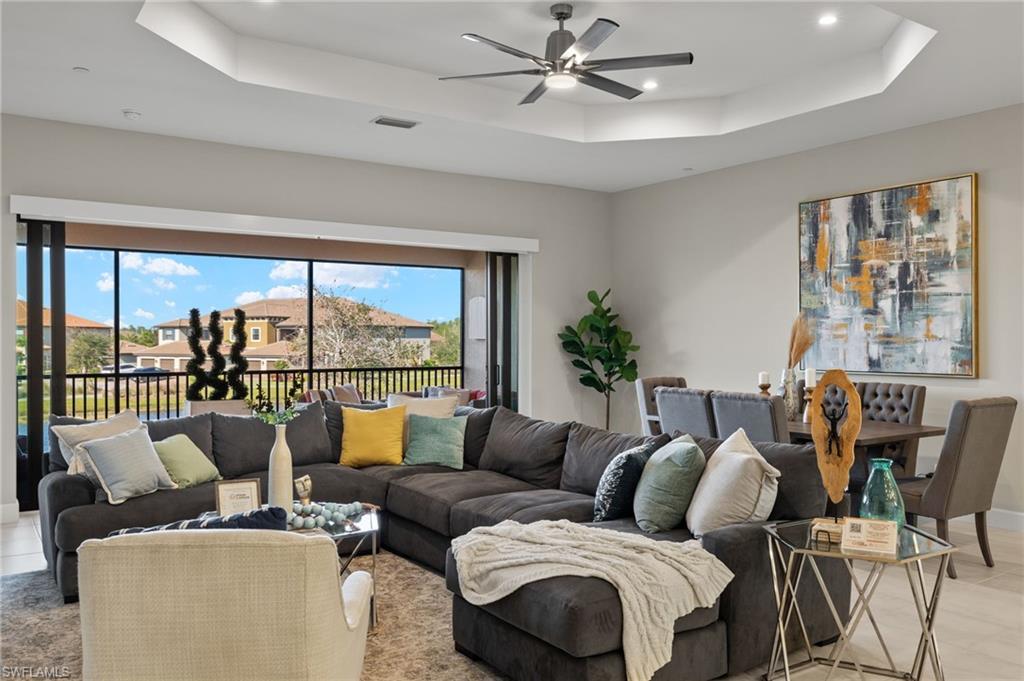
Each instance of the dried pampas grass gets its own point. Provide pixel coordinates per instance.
(801, 338)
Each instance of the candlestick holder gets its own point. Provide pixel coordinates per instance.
(808, 394)
(764, 388)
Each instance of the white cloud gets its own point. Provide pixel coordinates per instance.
(164, 284)
(106, 282)
(248, 297)
(290, 291)
(131, 261)
(337, 274)
(202, 287)
(169, 267)
(169, 303)
(144, 314)
(109, 322)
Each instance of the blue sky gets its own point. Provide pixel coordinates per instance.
(156, 287)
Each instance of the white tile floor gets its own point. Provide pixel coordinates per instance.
(980, 626)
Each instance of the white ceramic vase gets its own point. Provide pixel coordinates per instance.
(280, 482)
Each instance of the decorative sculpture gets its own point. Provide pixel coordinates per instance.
(834, 437)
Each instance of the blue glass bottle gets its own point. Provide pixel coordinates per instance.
(882, 499)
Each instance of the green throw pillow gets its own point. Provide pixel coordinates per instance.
(185, 462)
(436, 440)
(667, 484)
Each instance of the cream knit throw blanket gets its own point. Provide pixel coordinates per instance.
(658, 581)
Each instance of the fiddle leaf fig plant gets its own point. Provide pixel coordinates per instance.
(600, 350)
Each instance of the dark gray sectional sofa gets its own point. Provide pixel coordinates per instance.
(516, 468)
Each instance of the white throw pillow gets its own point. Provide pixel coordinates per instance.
(436, 407)
(738, 486)
(126, 465)
(73, 436)
(347, 393)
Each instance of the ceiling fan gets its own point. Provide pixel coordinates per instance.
(565, 60)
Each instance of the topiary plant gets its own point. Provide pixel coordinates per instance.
(194, 368)
(602, 350)
(214, 377)
(239, 364)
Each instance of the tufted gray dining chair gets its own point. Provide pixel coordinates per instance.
(645, 387)
(965, 477)
(763, 418)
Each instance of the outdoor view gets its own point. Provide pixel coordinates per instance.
(395, 326)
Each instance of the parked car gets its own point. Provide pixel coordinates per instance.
(150, 370)
(125, 368)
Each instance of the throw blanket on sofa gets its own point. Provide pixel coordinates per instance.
(658, 581)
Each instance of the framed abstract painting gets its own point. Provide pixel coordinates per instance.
(889, 278)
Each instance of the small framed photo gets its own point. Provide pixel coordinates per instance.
(236, 496)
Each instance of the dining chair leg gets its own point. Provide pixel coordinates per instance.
(942, 529)
(981, 524)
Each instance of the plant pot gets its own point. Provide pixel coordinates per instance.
(226, 407)
(279, 483)
(794, 402)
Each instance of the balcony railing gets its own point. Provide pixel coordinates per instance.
(162, 395)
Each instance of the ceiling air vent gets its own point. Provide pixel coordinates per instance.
(395, 122)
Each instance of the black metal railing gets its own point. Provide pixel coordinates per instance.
(162, 395)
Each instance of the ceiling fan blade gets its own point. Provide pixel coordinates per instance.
(608, 85)
(589, 41)
(535, 93)
(505, 48)
(647, 62)
(525, 72)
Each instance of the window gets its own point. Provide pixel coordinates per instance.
(254, 334)
(167, 334)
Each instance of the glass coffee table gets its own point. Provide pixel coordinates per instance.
(791, 548)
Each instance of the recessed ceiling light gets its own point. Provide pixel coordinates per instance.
(650, 85)
(827, 19)
(131, 114)
(560, 81)
(80, 69)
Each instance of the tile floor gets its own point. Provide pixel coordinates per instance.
(980, 627)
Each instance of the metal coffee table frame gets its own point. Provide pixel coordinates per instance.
(787, 571)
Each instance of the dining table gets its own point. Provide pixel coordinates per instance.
(873, 432)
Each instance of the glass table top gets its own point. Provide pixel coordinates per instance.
(365, 523)
(914, 544)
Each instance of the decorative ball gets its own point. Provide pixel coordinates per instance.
(298, 522)
(320, 521)
(309, 523)
(315, 509)
(306, 509)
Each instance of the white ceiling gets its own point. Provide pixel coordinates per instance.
(973, 63)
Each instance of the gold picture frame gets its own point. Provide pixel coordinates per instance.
(807, 303)
(237, 496)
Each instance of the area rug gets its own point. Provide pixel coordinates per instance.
(413, 608)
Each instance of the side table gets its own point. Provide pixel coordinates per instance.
(791, 547)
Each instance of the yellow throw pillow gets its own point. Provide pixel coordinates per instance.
(371, 437)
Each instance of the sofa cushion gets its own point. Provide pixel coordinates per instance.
(332, 482)
(800, 494)
(429, 497)
(56, 459)
(93, 521)
(528, 449)
(525, 507)
(388, 473)
(579, 615)
(629, 526)
(199, 429)
(478, 426)
(335, 426)
(242, 444)
(588, 451)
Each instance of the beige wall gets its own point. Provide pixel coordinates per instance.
(80, 162)
(706, 267)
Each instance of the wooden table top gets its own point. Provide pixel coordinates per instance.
(874, 432)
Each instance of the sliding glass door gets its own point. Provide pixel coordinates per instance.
(503, 330)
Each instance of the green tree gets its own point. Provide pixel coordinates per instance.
(448, 350)
(139, 334)
(601, 348)
(88, 352)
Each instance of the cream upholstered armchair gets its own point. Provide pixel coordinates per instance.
(258, 605)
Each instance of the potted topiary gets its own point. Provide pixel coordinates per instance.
(208, 389)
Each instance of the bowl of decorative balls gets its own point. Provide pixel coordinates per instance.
(329, 516)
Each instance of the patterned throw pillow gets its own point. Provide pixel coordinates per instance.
(270, 518)
(126, 465)
(614, 496)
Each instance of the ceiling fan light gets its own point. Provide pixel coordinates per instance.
(560, 81)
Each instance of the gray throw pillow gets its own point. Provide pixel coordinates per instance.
(667, 484)
(528, 449)
(126, 465)
(478, 427)
(198, 428)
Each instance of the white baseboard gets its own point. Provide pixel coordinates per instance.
(9, 513)
(998, 517)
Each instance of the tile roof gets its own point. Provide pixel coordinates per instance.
(70, 321)
(291, 313)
